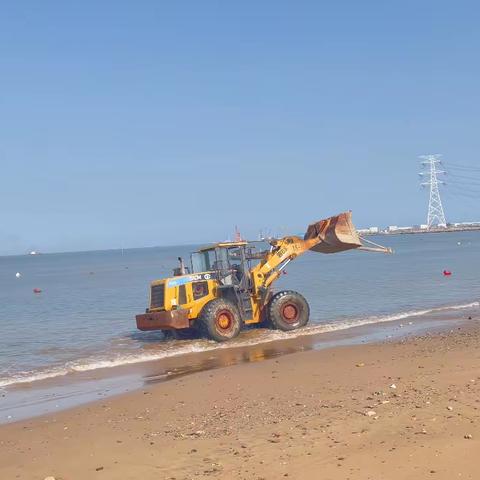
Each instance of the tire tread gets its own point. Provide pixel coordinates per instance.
(276, 323)
(207, 317)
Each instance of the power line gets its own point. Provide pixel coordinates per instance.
(436, 215)
(464, 178)
(464, 190)
(462, 168)
(465, 193)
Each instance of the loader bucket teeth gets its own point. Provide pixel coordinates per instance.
(336, 234)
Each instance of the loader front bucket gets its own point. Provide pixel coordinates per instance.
(336, 234)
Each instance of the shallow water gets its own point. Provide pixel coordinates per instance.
(84, 317)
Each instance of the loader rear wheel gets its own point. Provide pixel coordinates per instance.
(219, 320)
(288, 310)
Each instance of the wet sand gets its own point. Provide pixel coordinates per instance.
(396, 409)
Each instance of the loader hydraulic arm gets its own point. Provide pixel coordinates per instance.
(331, 235)
(282, 252)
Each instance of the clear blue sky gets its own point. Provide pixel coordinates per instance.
(156, 123)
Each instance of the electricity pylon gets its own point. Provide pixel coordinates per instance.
(436, 215)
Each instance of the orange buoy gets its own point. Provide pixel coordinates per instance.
(37, 290)
(447, 273)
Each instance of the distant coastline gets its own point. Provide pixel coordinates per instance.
(413, 230)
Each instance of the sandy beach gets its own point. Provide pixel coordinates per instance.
(397, 409)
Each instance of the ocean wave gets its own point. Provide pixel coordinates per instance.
(183, 348)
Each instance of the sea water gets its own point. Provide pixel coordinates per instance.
(84, 316)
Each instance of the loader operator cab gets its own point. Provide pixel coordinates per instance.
(228, 261)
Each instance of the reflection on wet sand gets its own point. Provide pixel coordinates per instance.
(225, 359)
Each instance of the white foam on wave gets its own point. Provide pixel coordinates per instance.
(86, 365)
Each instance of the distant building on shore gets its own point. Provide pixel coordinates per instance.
(466, 224)
(369, 230)
(422, 228)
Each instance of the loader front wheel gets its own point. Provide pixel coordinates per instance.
(219, 320)
(288, 310)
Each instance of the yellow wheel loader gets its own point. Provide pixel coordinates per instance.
(229, 284)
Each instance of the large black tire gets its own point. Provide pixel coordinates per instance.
(219, 320)
(287, 311)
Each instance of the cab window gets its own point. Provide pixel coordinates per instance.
(182, 295)
(202, 262)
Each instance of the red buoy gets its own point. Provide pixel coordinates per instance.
(447, 273)
(37, 290)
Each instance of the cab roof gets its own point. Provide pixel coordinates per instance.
(223, 245)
